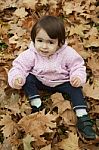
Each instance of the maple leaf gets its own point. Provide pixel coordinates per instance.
(48, 147)
(11, 143)
(93, 31)
(3, 73)
(9, 125)
(69, 117)
(20, 12)
(53, 4)
(43, 2)
(70, 143)
(91, 90)
(15, 29)
(68, 7)
(92, 41)
(29, 3)
(58, 101)
(78, 29)
(78, 7)
(5, 4)
(37, 124)
(93, 63)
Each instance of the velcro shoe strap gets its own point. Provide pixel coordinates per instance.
(87, 123)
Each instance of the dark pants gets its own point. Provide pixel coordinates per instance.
(32, 86)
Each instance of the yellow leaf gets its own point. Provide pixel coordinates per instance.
(27, 142)
(44, 2)
(68, 7)
(78, 29)
(20, 12)
(30, 3)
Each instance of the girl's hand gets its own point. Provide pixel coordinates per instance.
(75, 81)
(18, 83)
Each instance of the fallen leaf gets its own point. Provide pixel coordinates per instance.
(58, 101)
(48, 147)
(71, 143)
(20, 12)
(27, 142)
(78, 29)
(29, 4)
(91, 90)
(9, 126)
(37, 124)
(92, 41)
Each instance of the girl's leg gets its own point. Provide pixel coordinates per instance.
(84, 124)
(31, 87)
(75, 94)
(31, 91)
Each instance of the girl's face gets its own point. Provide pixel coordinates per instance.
(44, 44)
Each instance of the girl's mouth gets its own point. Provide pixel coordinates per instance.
(44, 52)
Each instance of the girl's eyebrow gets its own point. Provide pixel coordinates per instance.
(53, 40)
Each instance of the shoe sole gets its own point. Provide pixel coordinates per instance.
(88, 140)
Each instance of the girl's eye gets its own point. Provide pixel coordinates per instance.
(39, 40)
(50, 42)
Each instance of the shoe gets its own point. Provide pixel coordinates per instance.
(85, 130)
(35, 109)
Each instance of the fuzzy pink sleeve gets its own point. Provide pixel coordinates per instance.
(21, 67)
(76, 66)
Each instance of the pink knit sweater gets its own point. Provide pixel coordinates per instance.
(64, 64)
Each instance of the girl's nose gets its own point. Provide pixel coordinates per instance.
(44, 45)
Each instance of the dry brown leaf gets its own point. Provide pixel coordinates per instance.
(48, 147)
(37, 124)
(69, 117)
(58, 101)
(91, 90)
(71, 143)
(3, 74)
(92, 41)
(95, 109)
(93, 31)
(9, 126)
(93, 63)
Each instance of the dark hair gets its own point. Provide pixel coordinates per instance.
(53, 26)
